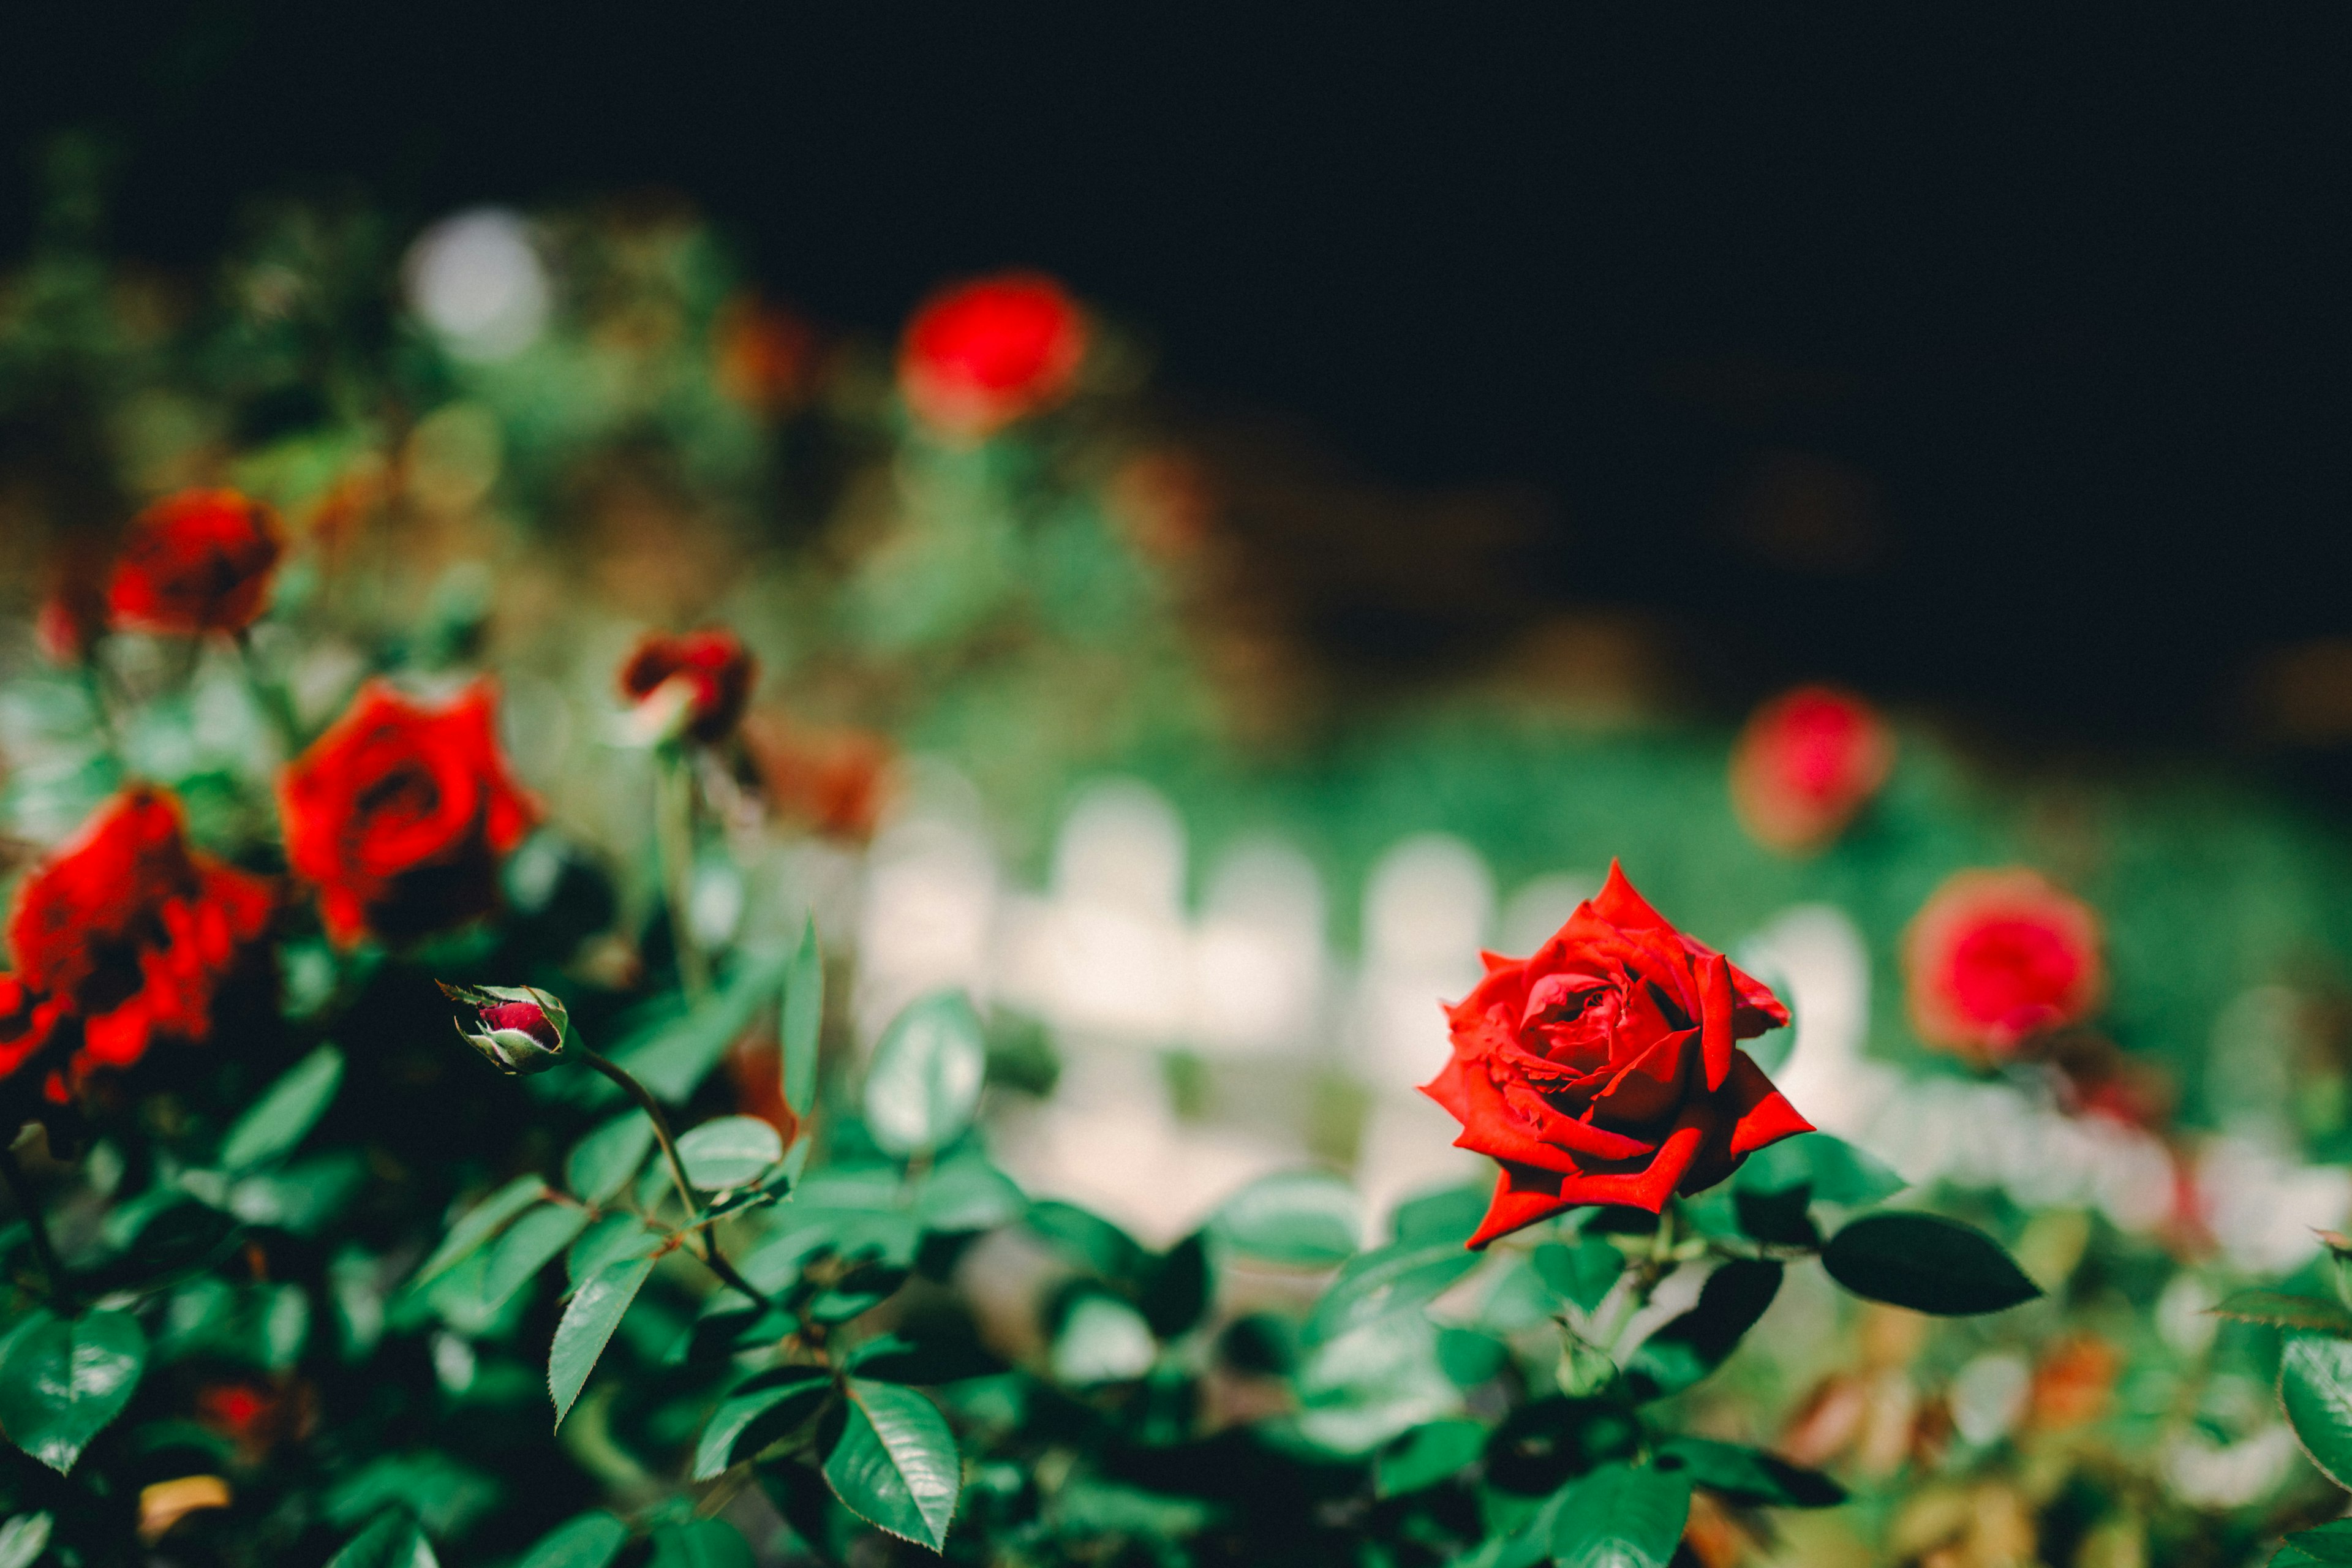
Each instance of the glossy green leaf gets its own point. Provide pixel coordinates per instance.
(394, 1540)
(594, 1311)
(700, 1543)
(782, 1398)
(1102, 1340)
(1309, 1219)
(1621, 1517)
(1450, 1214)
(530, 1244)
(601, 1163)
(63, 1379)
(276, 1122)
(1582, 1273)
(1088, 1240)
(1400, 1278)
(1749, 1476)
(2315, 1385)
(1835, 1171)
(1926, 1263)
(1426, 1456)
(924, 1082)
(22, 1539)
(730, 1152)
(443, 1494)
(1686, 1349)
(895, 1464)
(478, 1223)
(587, 1540)
(804, 1019)
(967, 1192)
(2328, 1544)
(609, 1240)
(2282, 1311)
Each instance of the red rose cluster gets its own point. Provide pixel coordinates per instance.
(1605, 1068)
(120, 936)
(979, 355)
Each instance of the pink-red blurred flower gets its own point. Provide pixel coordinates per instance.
(979, 355)
(199, 560)
(1605, 1068)
(1807, 761)
(711, 667)
(1996, 958)
(835, 780)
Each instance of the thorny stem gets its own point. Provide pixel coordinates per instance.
(711, 1257)
(29, 1205)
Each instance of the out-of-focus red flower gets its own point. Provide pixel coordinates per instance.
(400, 814)
(2071, 1382)
(836, 781)
(196, 562)
(979, 355)
(711, 667)
(254, 1415)
(1605, 1068)
(128, 932)
(765, 356)
(1806, 763)
(1995, 958)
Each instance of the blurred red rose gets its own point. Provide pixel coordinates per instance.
(1605, 1069)
(196, 562)
(126, 930)
(2073, 1382)
(714, 672)
(1996, 957)
(1806, 763)
(836, 781)
(400, 814)
(979, 355)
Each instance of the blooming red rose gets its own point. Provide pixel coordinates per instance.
(1996, 957)
(713, 670)
(1807, 761)
(127, 931)
(982, 354)
(400, 814)
(196, 562)
(1605, 1069)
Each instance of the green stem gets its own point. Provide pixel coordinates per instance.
(674, 842)
(715, 1260)
(29, 1205)
(270, 694)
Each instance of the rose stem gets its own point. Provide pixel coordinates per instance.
(27, 1205)
(269, 694)
(673, 839)
(711, 1256)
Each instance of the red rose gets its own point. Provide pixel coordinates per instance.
(1807, 761)
(1604, 1068)
(1998, 956)
(400, 814)
(196, 562)
(127, 931)
(714, 672)
(979, 355)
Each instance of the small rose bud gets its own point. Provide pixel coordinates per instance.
(520, 1028)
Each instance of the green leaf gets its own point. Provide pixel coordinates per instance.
(1426, 1456)
(966, 1194)
(273, 1124)
(803, 1017)
(673, 1057)
(730, 1152)
(700, 1543)
(1180, 1287)
(478, 1225)
(1835, 1171)
(394, 1540)
(1687, 1348)
(1400, 1278)
(1087, 1239)
(601, 1163)
(609, 1240)
(441, 1494)
(22, 1539)
(530, 1245)
(2328, 1544)
(786, 1397)
(588, 1541)
(1926, 1263)
(1748, 1476)
(1309, 1219)
(1102, 1340)
(1582, 1273)
(594, 1311)
(1449, 1215)
(63, 1379)
(1620, 1517)
(2314, 1387)
(923, 1084)
(2283, 1311)
(895, 1464)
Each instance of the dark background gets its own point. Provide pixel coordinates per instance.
(1976, 356)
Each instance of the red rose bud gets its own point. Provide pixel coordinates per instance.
(400, 815)
(520, 1028)
(1605, 1068)
(698, 684)
(196, 562)
(1995, 958)
(982, 354)
(1807, 761)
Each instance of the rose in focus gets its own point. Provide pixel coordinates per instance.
(1807, 761)
(520, 1028)
(708, 674)
(199, 560)
(1604, 1068)
(979, 355)
(401, 814)
(1995, 958)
